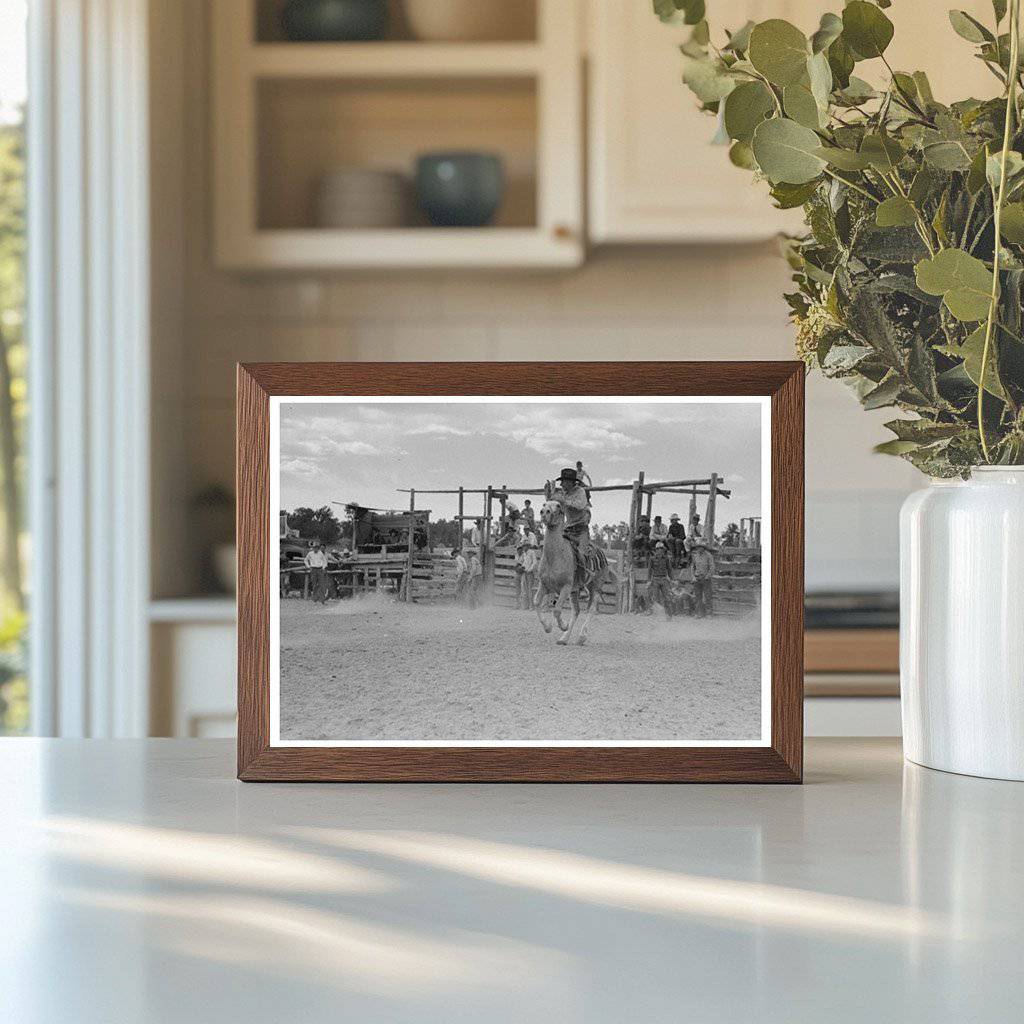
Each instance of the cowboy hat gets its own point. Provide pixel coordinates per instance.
(568, 474)
(660, 544)
(674, 517)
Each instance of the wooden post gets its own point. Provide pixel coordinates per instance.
(634, 523)
(504, 507)
(355, 534)
(693, 511)
(409, 550)
(650, 504)
(709, 533)
(709, 518)
(462, 522)
(487, 580)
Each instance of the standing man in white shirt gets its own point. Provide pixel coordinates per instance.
(316, 563)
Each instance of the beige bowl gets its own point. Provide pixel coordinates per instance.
(471, 20)
(362, 198)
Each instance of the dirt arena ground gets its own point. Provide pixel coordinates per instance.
(372, 669)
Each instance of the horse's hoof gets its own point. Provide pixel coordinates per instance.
(563, 639)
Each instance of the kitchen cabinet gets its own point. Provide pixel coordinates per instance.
(654, 177)
(288, 114)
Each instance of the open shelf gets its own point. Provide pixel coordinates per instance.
(309, 127)
(287, 114)
(387, 60)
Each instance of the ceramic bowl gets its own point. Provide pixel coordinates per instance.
(333, 21)
(460, 189)
(470, 20)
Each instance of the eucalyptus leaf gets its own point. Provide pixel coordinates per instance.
(787, 152)
(1012, 223)
(924, 87)
(895, 212)
(883, 395)
(844, 159)
(895, 447)
(788, 196)
(745, 108)
(969, 28)
(857, 91)
(739, 41)
(708, 80)
(779, 51)
(883, 152)
(741, 155)
(963, 281)
(801, 106)
(841, 62)
(947, 156)
(819, 75)
(993, 167)
(971, 351)
(829, 30)
(976, 176)
(690, 12)
(866, 29)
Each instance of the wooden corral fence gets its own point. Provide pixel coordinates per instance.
(418, 575)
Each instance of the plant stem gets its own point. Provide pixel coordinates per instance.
(1011, 108)
(853, 185)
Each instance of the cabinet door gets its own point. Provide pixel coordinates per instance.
(654, 177)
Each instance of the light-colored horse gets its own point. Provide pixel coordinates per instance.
(557, 574)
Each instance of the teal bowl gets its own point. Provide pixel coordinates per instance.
(460, 189)
(334, 21)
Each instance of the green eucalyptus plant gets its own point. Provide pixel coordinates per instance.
(910, 278)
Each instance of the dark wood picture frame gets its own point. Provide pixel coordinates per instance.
(781, 761)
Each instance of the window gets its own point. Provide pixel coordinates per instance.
(14, 690)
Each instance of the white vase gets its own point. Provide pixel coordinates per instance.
(962, 624)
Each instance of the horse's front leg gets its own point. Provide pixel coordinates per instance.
(539, 601)
(595, 591)
(574, 600)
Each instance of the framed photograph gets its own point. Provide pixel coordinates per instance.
(558, 572)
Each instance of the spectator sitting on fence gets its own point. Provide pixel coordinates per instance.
(696, 533)
(660, 579)
(316, 563)
(529, 516)
(659, 531)
(584, 477)
(702, 563)
(676, 537)
(477, 534)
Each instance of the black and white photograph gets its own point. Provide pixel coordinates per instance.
(519, 571)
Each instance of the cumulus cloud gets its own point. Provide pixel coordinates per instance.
(550, 435)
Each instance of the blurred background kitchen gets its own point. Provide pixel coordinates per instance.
(368, 180)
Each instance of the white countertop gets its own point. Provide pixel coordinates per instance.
(140, 882)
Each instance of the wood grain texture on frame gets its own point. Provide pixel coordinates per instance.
(782, 761)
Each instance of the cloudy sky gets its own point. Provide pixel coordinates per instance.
(363, 451)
